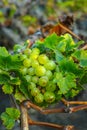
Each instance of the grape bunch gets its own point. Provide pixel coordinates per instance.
(39, 71)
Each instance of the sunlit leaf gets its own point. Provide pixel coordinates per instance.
(7, 89)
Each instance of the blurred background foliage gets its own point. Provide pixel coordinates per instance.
(22, 18)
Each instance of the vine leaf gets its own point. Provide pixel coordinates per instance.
(4, 78)
(81, 56)
(3, 52)
(7, 89)
(9, 117)
(65, 83)
(9, 62)
(52, 41)
(68, 65)
(19, 96)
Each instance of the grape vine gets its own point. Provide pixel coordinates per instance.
(46, 72)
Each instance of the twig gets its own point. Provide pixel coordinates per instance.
(77, 108)
(59, 127)
(74, 102)
(28, 104)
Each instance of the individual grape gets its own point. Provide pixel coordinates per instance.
(35, 79)
(43, 81)
(39, 98)
(51, 87)
(43, 59)
(27, 62)
(35, 91)
(49, 96)
(27, 51)
(23, 70)
(50, 65)
(31, 86)
(31, 71)
(34, 63)
(40, 70)
(36, 51)
(28, 78)
(33, 55)
(49, 74)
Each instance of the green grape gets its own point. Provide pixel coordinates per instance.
(51, 87)
(28, 78)
(39, 98)
(31, 71)
(40, 70)
(27, 62)
(33, 56)
(49, 74)
(54, 80)
(31, 86)
(36, 51)
(23, 70)
(35, 63)
(27, 51)
(35, 91)
(35, 79)
(43, 81)
(50, 65)
(49, 97)
(43, 59)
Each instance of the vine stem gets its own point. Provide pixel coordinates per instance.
(59, 127)
(73, 102)
(29, 105)
(24, 118)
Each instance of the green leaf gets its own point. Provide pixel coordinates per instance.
(23, 88)
(65, 83)
(4, 78)
(83, 79)
(8, 122)
(11, 62)
(15, 81)
(72, 93)
(66, 44)
(19, 96)
(9, 117)
(58, 56)
(3, 52)
(80, 54)
(83, 63)
(77, 54)
(7, 89)
(68, 65)
(52, 41)
(13, 113)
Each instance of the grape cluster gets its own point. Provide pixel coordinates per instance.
(39, 71)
